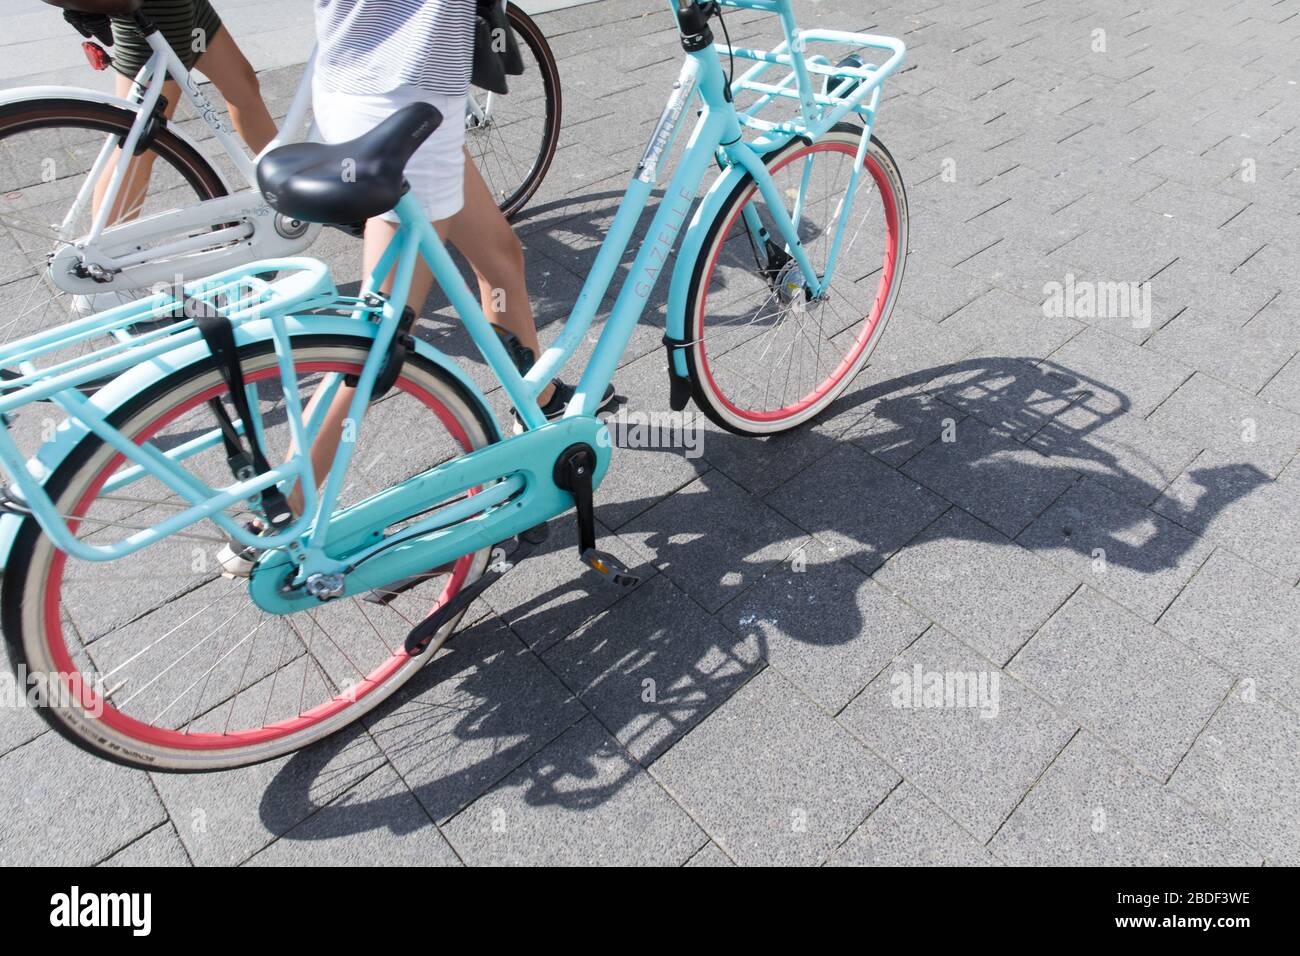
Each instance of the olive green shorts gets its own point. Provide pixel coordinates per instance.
(188, 25)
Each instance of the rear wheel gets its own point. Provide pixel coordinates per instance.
(765, 357)
(47, 149)
(158, 661)
(512, 137)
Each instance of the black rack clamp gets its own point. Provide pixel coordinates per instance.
(245, 463)
(403, 343)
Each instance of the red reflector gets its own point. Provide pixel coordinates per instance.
(97, 56)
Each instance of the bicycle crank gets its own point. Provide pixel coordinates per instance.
(573, 471)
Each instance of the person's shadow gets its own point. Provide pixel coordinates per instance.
(1051, 409)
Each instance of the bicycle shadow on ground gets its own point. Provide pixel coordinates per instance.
(478, 716)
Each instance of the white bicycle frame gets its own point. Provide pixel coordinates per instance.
(194, 241)
(197, 240)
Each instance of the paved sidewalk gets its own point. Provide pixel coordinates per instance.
(1094, 512)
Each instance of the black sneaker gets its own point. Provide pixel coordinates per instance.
(559, 400)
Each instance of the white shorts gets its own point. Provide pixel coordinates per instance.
(437, 171)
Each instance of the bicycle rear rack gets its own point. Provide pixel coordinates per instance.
(65, 363)
(92, 350)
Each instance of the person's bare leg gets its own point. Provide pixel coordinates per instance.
(379, 232)
(135, 184)
(485, 238)
(230, 72)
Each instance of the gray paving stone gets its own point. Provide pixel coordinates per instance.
(772, 778)
(856, 507)
(481, 708)
(18, 723)
(909, 830)
(1014, 267)
(551, 593)
(911, 345)
(712, 538)
(991, 475)
(1011, 395)
(1135, 457)
(824, 624)
(939, 237)
(1243, 770)
(376, 823)
(1174, 199)
(581, 800)
(224, 818)
(1239, 356)
(1273, 265)
(1092, 808)
(1217, 293)
(1276, 319)
(1130, 553)
(1236, 504)
(1233, 423)
(1117, 254)
(760, 465)
(1139, 377)
(653, 666)
(974, 753)
(711, 855)
(1132, 685)
(1001, 325)
(65, 804)
(903, 415)
(1284, 387)
(936, 290)
(1244, 619)
(977, 583)
(159, 847)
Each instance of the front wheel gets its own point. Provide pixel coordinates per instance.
(766, 356)
(155, 660)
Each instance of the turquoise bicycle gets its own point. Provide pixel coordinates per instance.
(152, 448)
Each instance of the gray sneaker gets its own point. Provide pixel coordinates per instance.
(237, 561)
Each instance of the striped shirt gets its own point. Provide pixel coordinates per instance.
(375, 46)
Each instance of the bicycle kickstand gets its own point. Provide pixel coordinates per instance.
(417, 641)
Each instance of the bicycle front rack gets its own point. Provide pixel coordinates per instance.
(850, 85)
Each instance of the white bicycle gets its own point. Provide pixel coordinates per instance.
(65, 153)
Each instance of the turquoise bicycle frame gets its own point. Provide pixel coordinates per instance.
(513, 478)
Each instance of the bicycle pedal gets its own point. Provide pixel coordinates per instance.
(610, 568)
